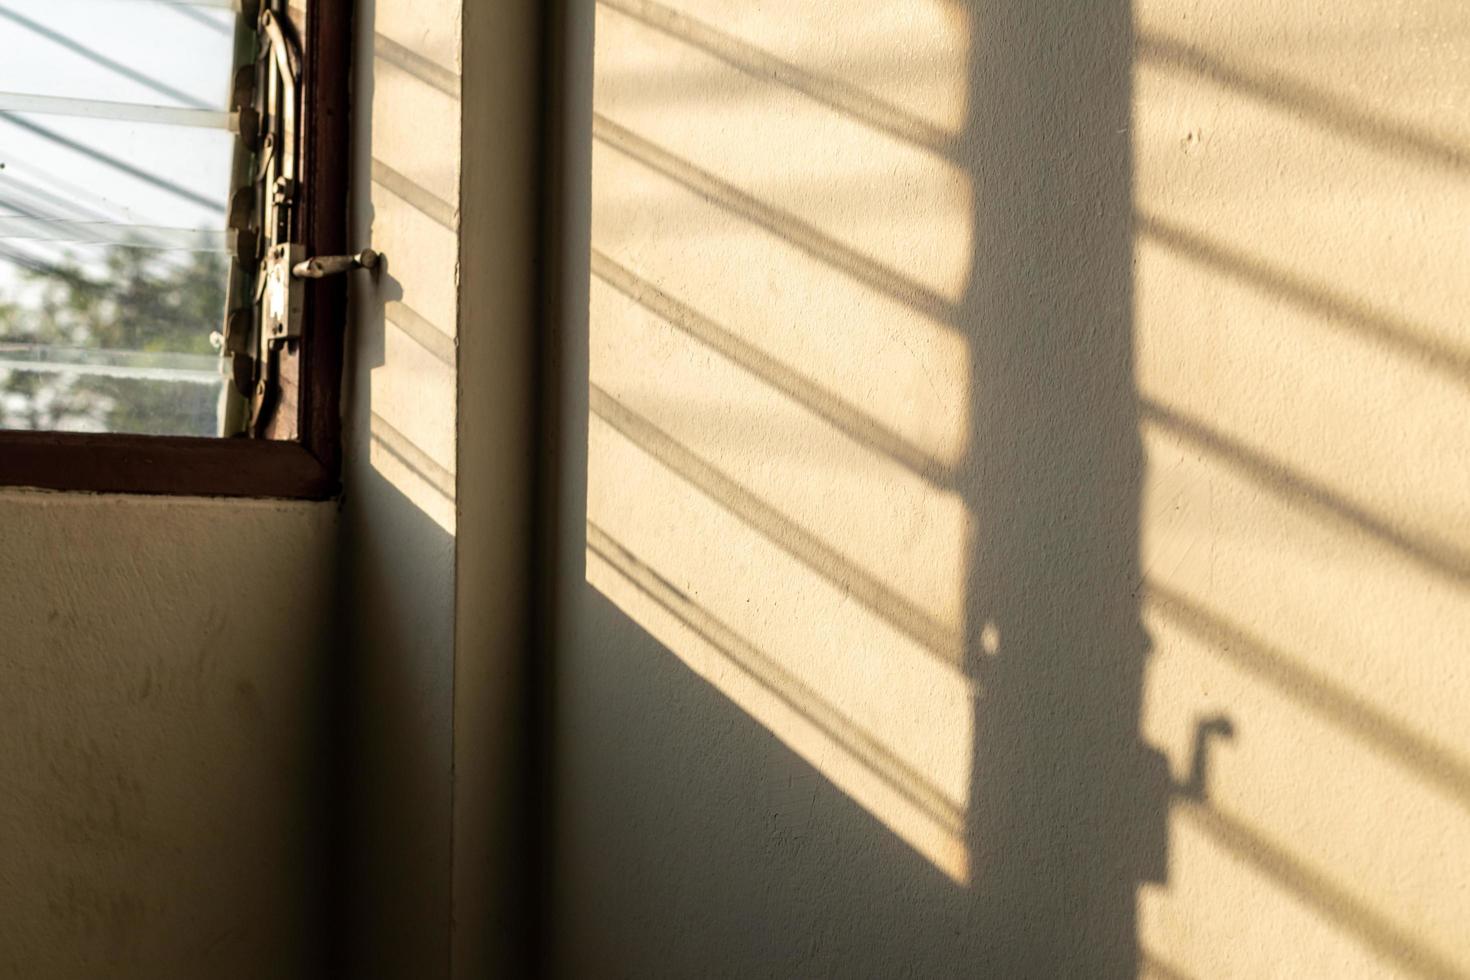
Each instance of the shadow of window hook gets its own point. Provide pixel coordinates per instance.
(1205, 732)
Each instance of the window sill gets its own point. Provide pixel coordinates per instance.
(171, 465)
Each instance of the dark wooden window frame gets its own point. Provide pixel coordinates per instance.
(308, 465)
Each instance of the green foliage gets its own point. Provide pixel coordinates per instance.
(133, 300)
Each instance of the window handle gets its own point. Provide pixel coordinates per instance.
(331, 265)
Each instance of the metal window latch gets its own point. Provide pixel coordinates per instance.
(282, 298)
(331, 265)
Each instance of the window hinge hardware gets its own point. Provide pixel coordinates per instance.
(264, 227)
(242, 209)
(265, 96)
(242, 100)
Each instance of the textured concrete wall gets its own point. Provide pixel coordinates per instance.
(1013, 517)
(160, 703)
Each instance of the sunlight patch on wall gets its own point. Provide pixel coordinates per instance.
(778, 394)
(413, 472)
(867, 705)
(406, 344)
(1303, 360)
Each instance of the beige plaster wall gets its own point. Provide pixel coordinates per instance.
(437, 513)
(399, 513)
(496, 815)
(1013, 511)
(1303, 366)
(161, 692)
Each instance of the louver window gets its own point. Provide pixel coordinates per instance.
(171, 214)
